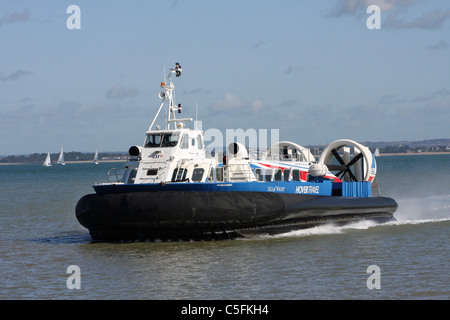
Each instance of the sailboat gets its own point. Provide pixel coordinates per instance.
(96, 157)
(47, 162)
(377, 152)
(61, 158)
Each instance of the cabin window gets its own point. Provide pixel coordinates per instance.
(268, 175)
(152, 172)
(184, 175)
(197, 174)
(259, 174)
(277, 175)
(295, 175)
(286, 153)
(287, 173)
(132, 176)
(199, 142)
(174, 174)
(161, 140)
(185, 142)
(219, 174)
(179, 174)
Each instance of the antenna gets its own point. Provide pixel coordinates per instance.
(196, 115)
(167, 94)
(177, 69)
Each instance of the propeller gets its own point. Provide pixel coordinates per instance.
(344, 169)
(359, 166)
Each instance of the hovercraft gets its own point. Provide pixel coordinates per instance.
(169, 189)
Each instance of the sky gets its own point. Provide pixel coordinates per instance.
(314, 70)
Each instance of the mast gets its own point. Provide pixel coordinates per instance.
(47, 162)
(167, 94)
(61, 157)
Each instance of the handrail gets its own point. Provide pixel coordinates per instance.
(115, 174)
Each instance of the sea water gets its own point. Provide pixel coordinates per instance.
(40, 239)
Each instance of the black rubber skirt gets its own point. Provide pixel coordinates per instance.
(182, 215)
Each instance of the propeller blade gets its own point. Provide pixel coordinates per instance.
(352, 177)
(337, 156)
(359, 156)
(336, 167)
(362, 169)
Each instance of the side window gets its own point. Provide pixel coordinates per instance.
(219, 174)
(199, 142)
(132, 176)
(259, 173)
(277, 175)
(287, 173)
(173, 139)
(268, 175)
(295, 175)
(153, 141)
(185, 141)
(197, 174)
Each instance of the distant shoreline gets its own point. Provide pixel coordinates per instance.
(412, 153)
(67, 162)
(122, 160)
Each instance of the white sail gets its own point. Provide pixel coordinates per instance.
(61, 158)
(96, 157)
(47, 162)
(377, 152)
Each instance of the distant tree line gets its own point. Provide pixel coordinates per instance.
(408, 149)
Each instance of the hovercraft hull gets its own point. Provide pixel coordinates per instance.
(174, 215)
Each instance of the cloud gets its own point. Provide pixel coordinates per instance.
(259, 44)
(368, 122)
(119, 92)
(232, 103)
(15, 17)
(431, 20)
(390, 99)
(438, 46)
(292, 69)
(394, 11)
(72, 123)
(359, 7)
(68, 114)
(15, 75)
(441, 93)
(199, 91)
(288, 103)
(390, 117)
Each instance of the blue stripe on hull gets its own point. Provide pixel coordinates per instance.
(318, 188)
(323, 188)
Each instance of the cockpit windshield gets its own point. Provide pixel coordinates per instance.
(161, 140)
